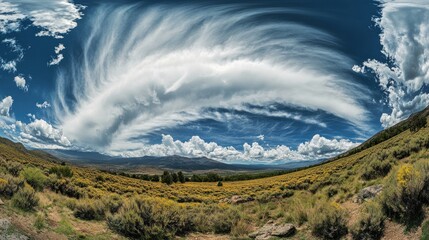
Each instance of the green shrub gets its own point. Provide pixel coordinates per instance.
(376, 169)
(113, 203)
(40, 222)
(25, 199)
(402, 199)
(370, 224)
(328, 221)
(35, 177)
(67, 188)
(61, 171)
(89, 209)
(147, 218)
(10, 185)
(14, 168)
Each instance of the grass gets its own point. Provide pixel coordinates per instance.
(295, 197)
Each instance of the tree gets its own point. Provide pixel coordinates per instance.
(166, 178)
(181, 177)
(219, 184)
(174, 177)
(154, 178)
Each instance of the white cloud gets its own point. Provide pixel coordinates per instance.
(45, 104)
(21, 83)
(320, 146)
(57, 60)
(358, 69)
(10, 64)
(176, 64)
(41, 134)
(405, 41)
(261, 137)
(5, 106)
(59, 48)
(317, 148)
(54, 17)
(59, 57)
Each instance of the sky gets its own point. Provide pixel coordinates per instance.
(235, 81)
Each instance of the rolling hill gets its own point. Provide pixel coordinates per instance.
(46, 199)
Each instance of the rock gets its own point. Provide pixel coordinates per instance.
(271, 229)
(9, 233)
(236, 199)
(284, 230)
(369, 193)
(1, 202)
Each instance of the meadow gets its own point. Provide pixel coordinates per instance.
(48, 199)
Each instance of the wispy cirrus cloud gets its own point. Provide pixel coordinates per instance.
(178, 65)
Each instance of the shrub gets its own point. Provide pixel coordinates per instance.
(147, 218)
(10, 185)
(65, 187)
(219, 184)
(35, 177)
(113, 203)
(403, 199)
(370, 224)
(61, 171)
(25, 199)
(328, 222)
(40, 222)
(14, 168)
(376, 169)
(89, 209)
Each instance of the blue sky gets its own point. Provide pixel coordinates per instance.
(236, 81)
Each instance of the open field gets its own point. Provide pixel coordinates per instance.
(85, 203)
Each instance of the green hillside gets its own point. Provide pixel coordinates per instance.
(380, 189)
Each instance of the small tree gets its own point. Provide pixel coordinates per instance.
(181, 177)
(166, 178)
(174, 177)
(219, 184)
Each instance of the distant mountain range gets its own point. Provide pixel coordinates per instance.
(167, 162)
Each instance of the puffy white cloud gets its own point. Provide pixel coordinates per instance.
(405, 41)
(320, 146)
(45, 104)
(54, 17)
(178, 64)
(317, 148)
(21, 83)
(261, 137)
(5, 106)
(59, 57)
(41, 134)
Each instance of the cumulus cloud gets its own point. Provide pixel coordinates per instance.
(41, 134)
(59, 57)
(54, 17)
(45, 104)
(180, 65)
(261, 137)
(18, 54)
(5, 106)
(317, 148)
(405, 41)
(21, 83)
